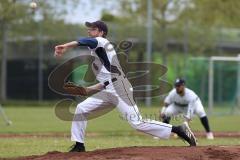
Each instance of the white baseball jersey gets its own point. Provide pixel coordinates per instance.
(188, 104)
(188, 97)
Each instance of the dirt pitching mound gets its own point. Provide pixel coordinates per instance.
(148, 153)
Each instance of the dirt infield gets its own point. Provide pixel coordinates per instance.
(39, 135)
(140, 153)
(148, 153)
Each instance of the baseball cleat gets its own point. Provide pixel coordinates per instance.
(77, 148)
(188, 134)
(156, 138)
(209, 136)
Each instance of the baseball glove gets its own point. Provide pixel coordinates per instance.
(76, 90)
(73, 89)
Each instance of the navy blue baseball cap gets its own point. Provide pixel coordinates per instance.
(102, 26)
(179, 82)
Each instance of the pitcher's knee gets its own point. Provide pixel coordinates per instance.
(80, 108)
(80, 113)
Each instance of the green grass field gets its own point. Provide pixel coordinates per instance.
(108, 131)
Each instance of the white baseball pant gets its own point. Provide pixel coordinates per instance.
(174, 110)
(119, 94)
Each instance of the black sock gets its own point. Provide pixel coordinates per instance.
(205, 123)
(175, 129)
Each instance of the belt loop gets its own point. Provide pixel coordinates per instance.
(114, 79)
(106, 83)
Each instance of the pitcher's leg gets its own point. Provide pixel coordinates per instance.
(134, 118)
(79, 124)
(127, 107)
(85, 110)
(152, 127)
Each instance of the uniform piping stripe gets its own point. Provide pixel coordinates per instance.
(137, 112)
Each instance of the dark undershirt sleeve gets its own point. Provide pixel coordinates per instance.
(89, 42)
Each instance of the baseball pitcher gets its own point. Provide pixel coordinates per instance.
(113, 89)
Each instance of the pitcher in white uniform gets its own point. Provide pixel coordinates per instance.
(182, 100)
(115, 90)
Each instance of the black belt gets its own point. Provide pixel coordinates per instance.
(107, 82)
(180, 105)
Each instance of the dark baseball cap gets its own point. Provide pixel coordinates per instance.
(179, 82)
(98, 24)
